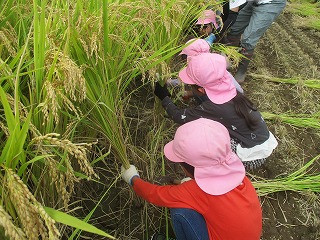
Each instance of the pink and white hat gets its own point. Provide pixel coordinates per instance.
(208, 16)
(209, 70)
(197, 47)
(205, 145)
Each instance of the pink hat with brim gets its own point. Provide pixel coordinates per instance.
(208, 16)
(198, 46)
(205, 145)
(209, 70)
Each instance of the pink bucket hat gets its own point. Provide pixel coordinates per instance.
(197, 47)
(205, 145)
(209, 70)
(208, 16)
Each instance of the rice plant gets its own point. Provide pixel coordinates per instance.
(302, 181)
(68, 70)
(297, 120)
(233, 54)
(18, 200)
(311, 83)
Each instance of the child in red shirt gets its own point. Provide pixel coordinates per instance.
(219, 190)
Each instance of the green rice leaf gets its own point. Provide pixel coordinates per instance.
(7, 110)
(69, 220)
(35, 159)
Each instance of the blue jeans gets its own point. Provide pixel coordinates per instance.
(254, 20)
(188, 224)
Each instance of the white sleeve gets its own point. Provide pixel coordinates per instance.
(236, 3)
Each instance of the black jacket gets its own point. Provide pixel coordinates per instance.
(226, 115)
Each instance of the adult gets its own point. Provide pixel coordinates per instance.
(251, 23)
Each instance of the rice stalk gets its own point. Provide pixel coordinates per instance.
(301, 181)
(311, 83)
(67, 75)
(297, 120)
(4, 128)
(39, 44)
(64, 182)
(232, 53)
(9, 40)
(23, 113)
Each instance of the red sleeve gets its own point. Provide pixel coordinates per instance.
(185, 195)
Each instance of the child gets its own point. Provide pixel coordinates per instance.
(206, 25)
(199, 46)
(207, 73)
(226, 204)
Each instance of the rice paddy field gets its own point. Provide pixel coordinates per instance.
(77, 102)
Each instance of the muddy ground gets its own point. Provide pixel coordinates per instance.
(284, 51)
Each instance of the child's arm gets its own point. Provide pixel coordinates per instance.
(172, 196)
(184, 195)
(179, 115)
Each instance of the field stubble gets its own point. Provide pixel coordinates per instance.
(288, 52)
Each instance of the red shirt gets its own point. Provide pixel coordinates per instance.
(235, 215)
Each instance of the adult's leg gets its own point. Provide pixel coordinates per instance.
(263, 16)
(188, 224)
(241, 23)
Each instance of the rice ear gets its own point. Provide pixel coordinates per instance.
(34, 219)
(11, 231)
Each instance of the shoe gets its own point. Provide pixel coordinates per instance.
(231, 40)
(243, 65)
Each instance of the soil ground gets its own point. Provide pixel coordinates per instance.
(284, 51)
(287, 51)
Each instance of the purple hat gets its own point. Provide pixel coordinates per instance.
(208, 70)
(205, 145)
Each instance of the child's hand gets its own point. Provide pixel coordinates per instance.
(128, 174)
(161, 92)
